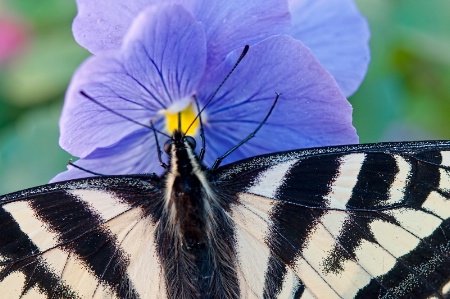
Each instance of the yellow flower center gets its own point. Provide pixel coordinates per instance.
(187, 116)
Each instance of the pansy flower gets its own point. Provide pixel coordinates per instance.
(152, 59)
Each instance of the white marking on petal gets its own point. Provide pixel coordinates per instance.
(401, 179)
(418, 223)
(37, 230)
(268, 181)
(342, 186)
(178, 106)
(437, 204)
(103, 203)
(393, 238)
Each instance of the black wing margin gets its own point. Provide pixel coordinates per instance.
(341, 222)
(75, 239)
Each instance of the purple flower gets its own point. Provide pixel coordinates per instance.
(333, 29)
(151, 60)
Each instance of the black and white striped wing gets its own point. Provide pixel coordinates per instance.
(89, 238)
(367, 221)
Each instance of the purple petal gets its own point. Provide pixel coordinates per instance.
(337, 34)
(311, 110)
(100, 25)
(150, 74)
(134, 154)
(232, 24)
(166, 50)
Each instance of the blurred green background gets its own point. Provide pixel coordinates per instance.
(405, 96)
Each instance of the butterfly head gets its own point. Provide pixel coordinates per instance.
(184, 164)
(179, 142)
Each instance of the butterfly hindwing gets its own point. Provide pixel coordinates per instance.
(84, 238)
(364, 220)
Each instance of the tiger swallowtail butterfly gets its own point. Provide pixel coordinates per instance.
(364, 221)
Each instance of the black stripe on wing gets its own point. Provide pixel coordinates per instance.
(79, 230)
(374, 181)
(16, 246)
(290, 229)
(424, 270)
(395, 182)
(427, 177)
(420, 274)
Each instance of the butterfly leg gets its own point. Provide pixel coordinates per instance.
(158, 148)
(202, 131)
(219, 160)
(84, 169)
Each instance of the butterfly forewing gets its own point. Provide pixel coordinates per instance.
(337, 222)
(85, 238)
(366, 220)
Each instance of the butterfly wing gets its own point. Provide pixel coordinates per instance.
(89, 238)
(343, 222)
(334, 222)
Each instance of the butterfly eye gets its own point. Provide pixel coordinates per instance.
(168, 146)
(191, 141)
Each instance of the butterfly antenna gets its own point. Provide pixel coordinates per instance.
(202, 131)
(220, 159)
(158, 148)
(119, 114)
(84, 169)
(244, 52)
